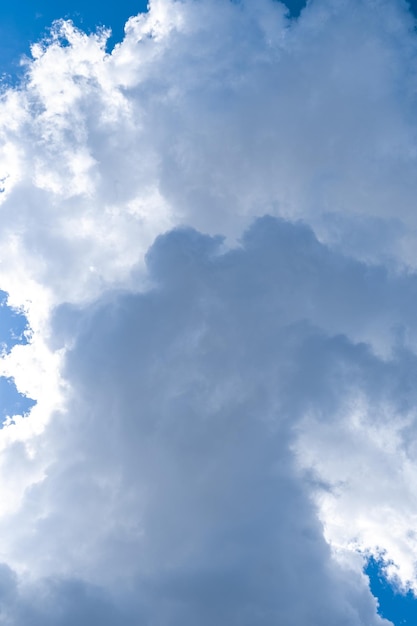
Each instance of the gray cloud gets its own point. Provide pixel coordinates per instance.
(173, 483)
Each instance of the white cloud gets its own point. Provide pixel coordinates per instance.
(179, 406)
(366, 457)
(207, 114)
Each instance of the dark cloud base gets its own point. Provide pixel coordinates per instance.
(174, 481)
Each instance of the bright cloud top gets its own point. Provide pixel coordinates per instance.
(225, 416)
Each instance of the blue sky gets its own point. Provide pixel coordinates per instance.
(399, 607)
(13, 325)
(26, 22)
(211, 232)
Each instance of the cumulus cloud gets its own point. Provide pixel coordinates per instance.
(172, 468)
(178, 125)
(209, 402)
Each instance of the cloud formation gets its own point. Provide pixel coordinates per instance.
(172, 467)
(298, 118)
(225, 402)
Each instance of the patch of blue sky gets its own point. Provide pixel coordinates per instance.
(11, 401)
(25, 22)
(14, 330)
(398, 607)
(13, 325)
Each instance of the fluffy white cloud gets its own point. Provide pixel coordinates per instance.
(191, 409)
(209, 114)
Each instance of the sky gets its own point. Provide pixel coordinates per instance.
(208, 313)
(23, 24)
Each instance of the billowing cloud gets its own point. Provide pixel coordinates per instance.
(224, 421)
(207, 114)
(172, 469)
